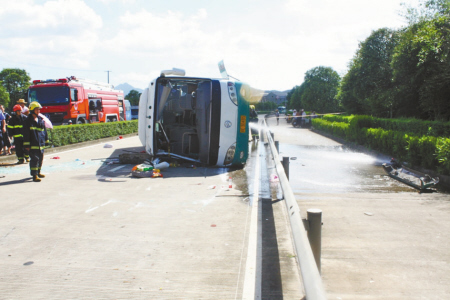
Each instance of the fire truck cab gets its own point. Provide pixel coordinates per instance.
(77, 100)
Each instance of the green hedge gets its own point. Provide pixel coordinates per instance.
(411, 126)
(72, 134)
(422, 150)
(338, 118)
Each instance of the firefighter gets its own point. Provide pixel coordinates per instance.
(15, 129)
(35, 139)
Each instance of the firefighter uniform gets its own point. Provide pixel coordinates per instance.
(15, 129)
(35, 137)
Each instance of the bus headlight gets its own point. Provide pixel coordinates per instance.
(232, 92)
(230, 155)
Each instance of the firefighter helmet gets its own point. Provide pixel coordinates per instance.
(252, 106)
(35, 105)
(17, 107)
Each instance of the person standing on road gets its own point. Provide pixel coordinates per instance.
(25, 110)
(303, 120)
(6, 138)
(15, 129)
(35, 138)
(277, 114)
(2, 129)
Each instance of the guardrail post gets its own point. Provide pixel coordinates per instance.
(286, 166)
(277, 145)
(273, 135)
(315, 233)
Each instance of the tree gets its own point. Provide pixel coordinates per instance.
(289, 97)
(4, 96)
(422, 62)
(319, 89)
(349, 92)
(367, 87)
(295, 101)
(16, 83)
(133, 96)
(265, 106)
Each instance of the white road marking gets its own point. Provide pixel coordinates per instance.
(116, 168)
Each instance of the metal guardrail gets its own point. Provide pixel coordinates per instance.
(312, 281)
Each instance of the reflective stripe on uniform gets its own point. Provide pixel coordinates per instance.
(37, 128)
(37, 147)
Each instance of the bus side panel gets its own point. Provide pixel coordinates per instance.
(242, 132)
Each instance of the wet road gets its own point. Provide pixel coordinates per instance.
(321, 164)
(337, 170)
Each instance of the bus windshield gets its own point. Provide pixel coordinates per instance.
(183, 114)
(56, 95)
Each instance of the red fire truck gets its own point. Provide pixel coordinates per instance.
(77, 100)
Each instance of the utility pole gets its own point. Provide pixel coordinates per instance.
(108, 75)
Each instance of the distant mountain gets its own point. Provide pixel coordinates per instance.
(126, 88)
(279, 93)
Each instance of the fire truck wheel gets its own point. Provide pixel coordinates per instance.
(81, 121)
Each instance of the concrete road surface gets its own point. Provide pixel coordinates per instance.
(91, 231)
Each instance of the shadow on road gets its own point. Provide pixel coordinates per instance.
(112, 168)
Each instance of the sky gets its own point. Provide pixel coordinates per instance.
(268, 44)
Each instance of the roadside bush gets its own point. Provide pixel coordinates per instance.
(72, 134)
(337, 118)
(443, 155)
(339, 129)
(421, 150)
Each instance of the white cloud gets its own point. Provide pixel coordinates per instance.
(269, 46)
(57, 32)
(145, 31)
